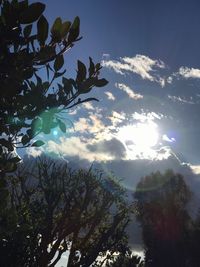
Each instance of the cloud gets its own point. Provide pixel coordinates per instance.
(128, 91)
(91, 125)
(167, 139)
(187, 73)
(170, 79)
(112, 147)
(88, 105)
(110, 96)
(195, 169)
(180, 99)
(146, 117)
(87, 149)
(117, 118)
(142, 65)
(34, 152)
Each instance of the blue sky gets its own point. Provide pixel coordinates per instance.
(150, 56)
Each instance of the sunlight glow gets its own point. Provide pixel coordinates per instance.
(140, 139)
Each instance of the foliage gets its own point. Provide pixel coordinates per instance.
(52, 209)
(161, 202)
(127, 260)
(28, 48)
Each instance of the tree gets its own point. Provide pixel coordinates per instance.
(52, 210)
(161, 204)
(29, 104)
(125, 260)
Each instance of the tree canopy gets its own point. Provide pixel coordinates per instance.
(161, 208)
(51, 210)
(30, 103)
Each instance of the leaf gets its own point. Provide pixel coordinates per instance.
(58, 74)
(38, 143)
(30, 133)
(86, 86)
(36, 125)
(32, 13)
(65, 28)
(74, 31)
(42, 30)
(15, 160)
(6, 144)
(62, 126)
(25, 139)
(91, 68)
(58, 63)
(27, 30)
(56, 30)
(101, 82)
(81, 75)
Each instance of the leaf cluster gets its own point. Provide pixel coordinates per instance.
(29, 47)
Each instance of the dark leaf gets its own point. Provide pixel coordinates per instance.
(38, 143)
(62, 126)
(74, 31)
(101, 82)
(45, 85)
(58, 63)
(42, 30)
(15, 160)
(58, 74)
(98, 66)
(57, 25)
(65, 28)
(25, 139)
(81, 74)
(27, 30)
(32, 13)
(30, 133)
(91, 68)
(56, 30)
(6, 144)
(36, 125)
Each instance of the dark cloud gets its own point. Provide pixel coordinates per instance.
(112, 147)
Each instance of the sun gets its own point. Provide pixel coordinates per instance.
(141, 138)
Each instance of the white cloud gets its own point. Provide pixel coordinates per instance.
(180, 99)
(34, 152)
(116, 118)
(146, 117)
(88, 105)
(128, 91)
(167, 139)
(195, 169)
(75, 146)
(187, 73)
(142, 65)
(93, 126)
(170, 79)
(110, 96)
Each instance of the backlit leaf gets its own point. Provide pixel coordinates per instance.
(32, 13)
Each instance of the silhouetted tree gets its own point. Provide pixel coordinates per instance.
(161, 202)
(52, 210)
(31, 105)
(194, 243)
(125, 260)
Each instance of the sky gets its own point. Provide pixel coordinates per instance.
(147, 117)
(150, 55)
